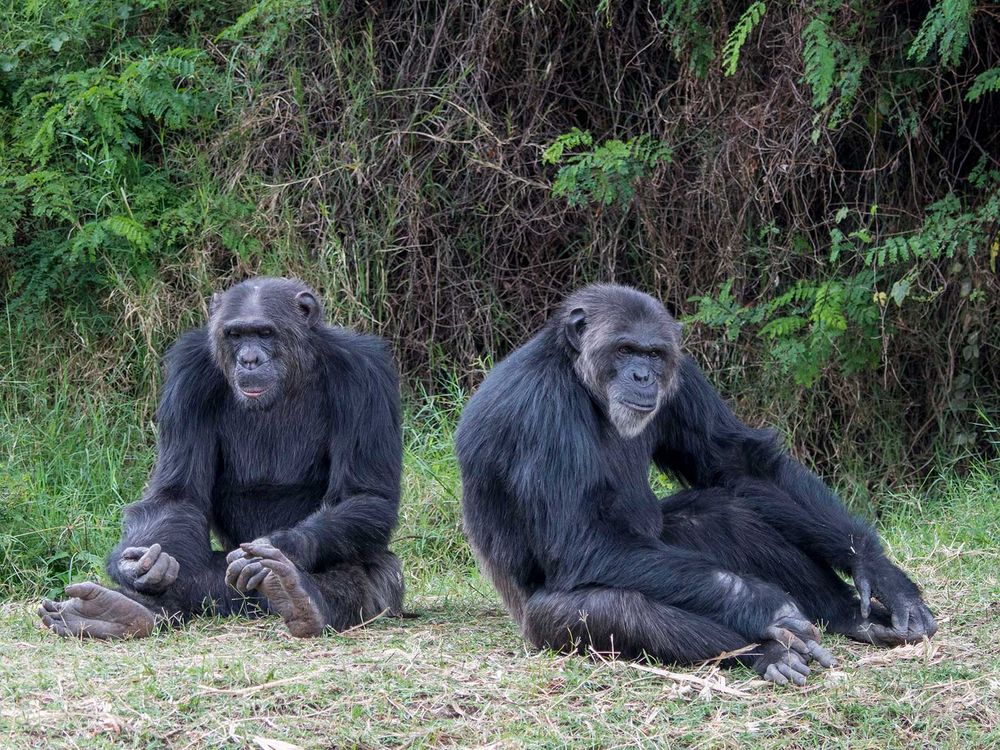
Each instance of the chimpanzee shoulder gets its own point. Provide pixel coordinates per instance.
(515, 420)
(192, 379)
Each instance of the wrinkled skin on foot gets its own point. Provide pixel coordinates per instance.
(96, 612)
(148, 570)
(792, 642)
(779, 664)
(262, 567)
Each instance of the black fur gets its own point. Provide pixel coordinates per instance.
(316, 469)
(558, 507)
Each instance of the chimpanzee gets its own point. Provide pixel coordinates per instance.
(555, 449)
(280, 435)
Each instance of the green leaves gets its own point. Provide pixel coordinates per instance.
(819, 58)
(604, 174)
(84, 132)
(946, 30)
(985, 82)
(751, 17)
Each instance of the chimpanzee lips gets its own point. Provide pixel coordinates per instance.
(640, 407)
(253, 392)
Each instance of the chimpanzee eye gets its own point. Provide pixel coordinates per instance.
(624, 350)
(266, 333)
(656, 354)
(232, 334)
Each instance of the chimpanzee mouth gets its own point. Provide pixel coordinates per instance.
(253, 392)
(642, 408)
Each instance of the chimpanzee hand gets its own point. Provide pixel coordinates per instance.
(260, 566)
(245, 571)
(911, 620)
(148, 570)
(793, 632)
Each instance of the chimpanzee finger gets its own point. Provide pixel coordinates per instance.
(864, 588)
(133, 553)
(147, 561)
(258, 579)
(791, 674)
(928, 625)
(173, 570)
(281, 568)
(156, 574)
(901, 618)
(263, 549)
(50, 606)
(788, 639)
(248, 572)
(774, 675)
(820, 654)
(235, 568)
(880, 635)
(798, 664)
(58, 627)
(235, 555)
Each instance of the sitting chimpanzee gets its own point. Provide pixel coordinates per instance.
(282, 436)
(555, 449)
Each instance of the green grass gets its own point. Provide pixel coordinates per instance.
(458, 674)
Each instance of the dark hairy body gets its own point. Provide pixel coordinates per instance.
(281, 436)
(555, 449)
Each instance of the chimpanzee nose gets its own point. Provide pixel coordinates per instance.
(248, 359)
(642, 378)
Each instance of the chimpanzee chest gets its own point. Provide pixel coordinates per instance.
(272, 473)
(280, 447)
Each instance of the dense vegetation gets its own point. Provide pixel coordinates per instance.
(814, 187)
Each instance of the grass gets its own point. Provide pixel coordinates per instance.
(458, 674)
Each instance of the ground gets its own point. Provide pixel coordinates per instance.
(458, 675)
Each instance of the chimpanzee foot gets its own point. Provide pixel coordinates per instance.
(779, 664)
(286, 588)
(96, 612)
(795, 633)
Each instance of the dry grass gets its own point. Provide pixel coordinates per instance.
(460, 676)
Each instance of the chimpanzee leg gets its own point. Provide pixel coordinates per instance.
(626, 623)
(727, 527)
(339, 597)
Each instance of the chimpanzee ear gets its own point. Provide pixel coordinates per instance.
(576, 321)
(310, 307)
(213, 304)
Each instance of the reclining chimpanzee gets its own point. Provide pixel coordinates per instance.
(555, 449)
(282, 436)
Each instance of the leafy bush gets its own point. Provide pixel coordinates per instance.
(813, 186)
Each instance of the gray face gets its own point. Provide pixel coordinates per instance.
(258, 331)
(628, 366)
(253, 355)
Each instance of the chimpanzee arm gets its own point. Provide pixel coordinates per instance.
(360, 508)
(175, 508)
(703, 442)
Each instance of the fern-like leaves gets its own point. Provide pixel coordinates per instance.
(946, 28)
(750, 19)
(820, 59)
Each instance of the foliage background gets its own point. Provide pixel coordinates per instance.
(813, 187)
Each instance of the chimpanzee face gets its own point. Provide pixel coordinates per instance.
(260, 332)
(628, 359)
